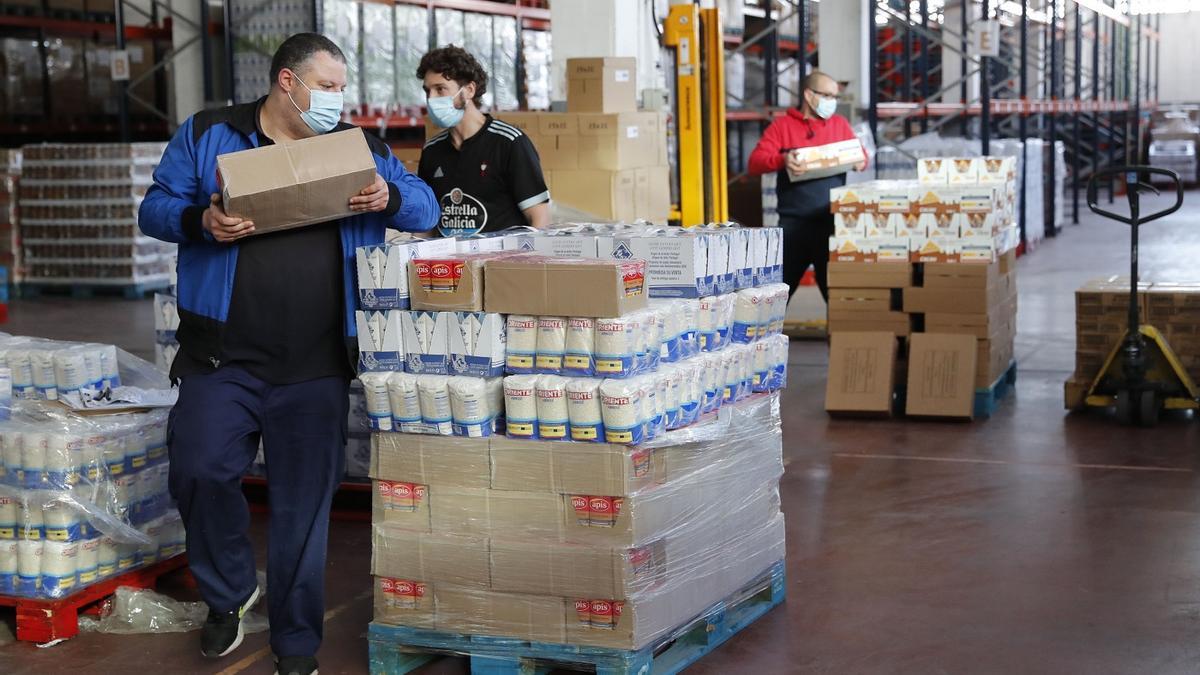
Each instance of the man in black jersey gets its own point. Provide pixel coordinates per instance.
(485, 173)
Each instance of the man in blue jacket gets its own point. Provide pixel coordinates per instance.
(266, 333)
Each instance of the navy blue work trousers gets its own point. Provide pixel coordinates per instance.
(214, 437)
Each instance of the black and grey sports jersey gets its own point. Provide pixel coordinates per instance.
(484, 185)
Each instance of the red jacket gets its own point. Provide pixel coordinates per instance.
(792, 131)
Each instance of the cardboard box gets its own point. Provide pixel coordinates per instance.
(941, 375)
(401, 502)
(934, 248)
(409, 157)
(448, 283)
(383, 270)
(594, 469)
(657, 192)
(477, 344)
(602, 85)
(860, 299)
(559, 244)
(962, 171)
(426, 341)
(968, 300)
(380, 340)
(861, 371)
(558, 152)
(404, 602)
(957, 275)
(1075, 392)
(290, 185)
(602, 194)
(431, 557)
(677, 266)
(618, 141)
(897, 323)
(933, 170)
(543, 286)
(872, 275)
(993, 358)
(527, 122)
(830, 159)
(522, 617)
(853, 250)
(999, 318)
(441, 461)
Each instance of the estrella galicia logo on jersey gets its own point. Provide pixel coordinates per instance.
(622, 252)
(462, 215)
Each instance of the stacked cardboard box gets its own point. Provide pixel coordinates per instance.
(79, 215)
(1102, 319)
(601, 545)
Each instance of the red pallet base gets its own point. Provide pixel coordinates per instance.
(44, 620)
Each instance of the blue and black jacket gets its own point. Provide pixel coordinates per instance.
(185, 179)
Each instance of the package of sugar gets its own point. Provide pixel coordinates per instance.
(494, 388)
(522, 344)
(379, 407)
(579, 357)
(725, 310)
(713, 372)
(672, 394)
(689, 329)
(671, 328)
(707, 320)
(552, 414)
(584, 411)
(405, 402)
(655, 326)
(691, 394)
(433, 395)
(616, 346)
(470, 411)
(749, 307)
(520, 406)
(551, 344)
(638, 324)
(762, 365)
(621, 405)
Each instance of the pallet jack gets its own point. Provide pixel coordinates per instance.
(1142, 375)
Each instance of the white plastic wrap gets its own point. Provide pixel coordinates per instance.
(340, 22)
(379, 57)
(412, 41)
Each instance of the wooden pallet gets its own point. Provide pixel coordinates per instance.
(45, 620)
(396, 650)
(32, 289)
(988, 400)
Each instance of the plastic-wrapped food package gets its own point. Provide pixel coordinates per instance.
(537, 54)
(689, 330)
(616, 346)
(552, 409)
(584, 410)
(405, 402)
(412, 41)
(433, 395)
(340, 22)
(589, 544)
(623, 411)
(478, 40)
(379, 407)
(579, 359)
(551, 344)
(520, 406)
(471, 406)
(521, 357)
(504, 63)
(451, 27)
(379, 56)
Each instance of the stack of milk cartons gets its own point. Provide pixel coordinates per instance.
(81, 498)
(619, 538)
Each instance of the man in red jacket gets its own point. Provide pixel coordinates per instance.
(804, 205)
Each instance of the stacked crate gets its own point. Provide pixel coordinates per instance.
(79, 205)
(1102, 319)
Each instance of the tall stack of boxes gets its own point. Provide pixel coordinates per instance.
(603, 156)
(1102, 319)
(919, 259)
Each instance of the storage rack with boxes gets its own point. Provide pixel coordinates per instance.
(10, 234)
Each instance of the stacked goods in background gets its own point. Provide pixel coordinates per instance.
(10, 236)
(932, 260)
(551, 505)
(82, 498)
(79, 206)
(1102, 320)
(603, 157)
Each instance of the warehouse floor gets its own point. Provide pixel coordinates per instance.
(1033, 542)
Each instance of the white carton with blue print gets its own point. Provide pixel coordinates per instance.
(676, 261)
(426, 342)
(380, 341)
(719, 243)
(477, 344)
(565, 244)
(740, 259)
(383, 270)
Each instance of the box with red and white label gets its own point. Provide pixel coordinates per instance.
(450, 282)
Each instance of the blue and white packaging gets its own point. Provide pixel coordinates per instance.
(720, 241)
(579, 357)
(739, 257)
(677, 261)
(689, 329)
(521, 349)
(433, 395)
(779, 377)
(707, 323)
(774, 254)
(6, 393)
(671, 390)
(672, 313)
(483, 243)
(21, 368)
(553, 416)
(380, 340)
(166, 318)
(478, 342)
(404, 402)
(749, 306)
(655, 325)
(551, 344)
(584, 411)
(426, 342)
(757, 252)
(520, 406)
(565, 244)
(383, 270)
(471, 410)
(379, 409)
(725, 310)
(10, 506)
(60, 568)
(623, 412)
(763, 366)
(8, 564)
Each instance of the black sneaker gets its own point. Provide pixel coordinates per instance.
(295, 665)
(222, 631)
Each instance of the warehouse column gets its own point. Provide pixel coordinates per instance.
(842, 35)
(187, 68)
(953, 60)
(587, 28)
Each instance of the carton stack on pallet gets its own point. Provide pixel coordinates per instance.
(603, 156)
(1102, 319)
(931, 262)
(620, 504)
(79, 208)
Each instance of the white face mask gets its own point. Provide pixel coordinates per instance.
(826, 108)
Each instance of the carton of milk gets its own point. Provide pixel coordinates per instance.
(383, 270)
(166, 318)
(380, 341)
(477, 344)
(427, 342)
(739, 258)
(677, 261)
(719, 244)
(565, 244)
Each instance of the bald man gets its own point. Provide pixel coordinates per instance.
(804, 204)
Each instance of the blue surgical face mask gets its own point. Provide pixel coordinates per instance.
(324, 108)
(826, 107)
(442, 110)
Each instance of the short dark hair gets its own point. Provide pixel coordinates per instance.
(298, 49)
(814, 77)
(455, 63)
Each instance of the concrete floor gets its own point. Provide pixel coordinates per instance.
(1033, 542)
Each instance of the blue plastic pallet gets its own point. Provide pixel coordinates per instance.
(988, 400)
(396, 650)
